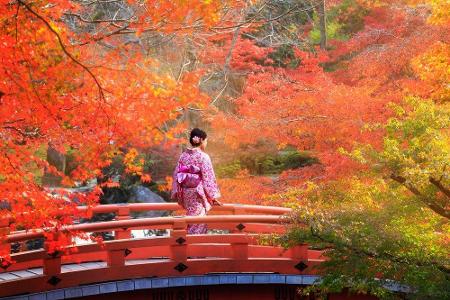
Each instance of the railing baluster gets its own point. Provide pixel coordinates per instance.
(123, 213)
(116, 258)
(238, 210)
(240, 251)
(5, 247)
(179, 250)
(52, 261)
(299, 252)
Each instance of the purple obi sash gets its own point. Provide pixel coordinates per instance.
(190, 177)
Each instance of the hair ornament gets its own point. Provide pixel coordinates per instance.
(196, 139)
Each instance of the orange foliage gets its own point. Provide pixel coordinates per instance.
(324, 111)
(58, 87)
(433, 68)
(246, 189)
(303, 107)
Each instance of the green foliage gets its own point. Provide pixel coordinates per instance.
(284, 57)
(333, 32)
(391, 223)
(416, 152)
(372, 234)
(349, 15)
(38, 173)
(266, 163)
(343, 20)
(228, 170)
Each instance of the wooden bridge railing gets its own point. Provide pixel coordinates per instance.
(125, 257)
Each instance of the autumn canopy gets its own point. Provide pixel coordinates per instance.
(340, 108)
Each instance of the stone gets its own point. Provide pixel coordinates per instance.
(310, 279)
(193, 280)
(177, 281)
(40, 296)
(294, 279)
(227, 279)
(210, 280)
(55, 295)
(90, 290)
(142, 283)
(109, 287)
(160, 283)
(73, 292)
(243, 279)
(142, 194)
(126, 285)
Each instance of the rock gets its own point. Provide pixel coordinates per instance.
(142, 194)
(58, 160)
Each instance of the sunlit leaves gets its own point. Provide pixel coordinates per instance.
(86, 93)
(417, 149)
(372, 232)
(433, 67)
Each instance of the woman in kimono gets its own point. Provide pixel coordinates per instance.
(194, 182)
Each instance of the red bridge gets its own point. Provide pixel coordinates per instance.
(232, 265)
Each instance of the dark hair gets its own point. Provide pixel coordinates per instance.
(197, 132)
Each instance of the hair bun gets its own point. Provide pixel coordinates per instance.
(197, 136)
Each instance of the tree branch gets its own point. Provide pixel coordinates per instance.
(440, 186)
(383, 255)
(63, 47)
(82, 19)
(426, 200)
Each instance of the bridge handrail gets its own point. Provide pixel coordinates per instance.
(145, 222)
(136, 207)
(123, 213)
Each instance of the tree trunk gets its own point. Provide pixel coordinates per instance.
(322, 23)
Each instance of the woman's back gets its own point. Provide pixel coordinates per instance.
(194, 183)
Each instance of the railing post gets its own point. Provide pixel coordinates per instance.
(116, 258)
(123, 214)
(299, 252)
(5, 247)
(238, 210)
(52, 261)
(239, 251)
(179, 250)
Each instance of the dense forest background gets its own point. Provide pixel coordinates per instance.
(338, 108)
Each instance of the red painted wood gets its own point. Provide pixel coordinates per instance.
(164, 222)
(230, 208)
(52, 266)
(160, 269)
(116, 258)
(235, 252)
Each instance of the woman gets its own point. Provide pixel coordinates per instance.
(194, 183)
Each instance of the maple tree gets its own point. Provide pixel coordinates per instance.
(294, 100)
(389, 221)
(388, 224)
(71, 79)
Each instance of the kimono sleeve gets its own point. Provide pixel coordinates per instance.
(209, 179)
(175, 187)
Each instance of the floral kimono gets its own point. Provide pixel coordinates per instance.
(194, 186)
